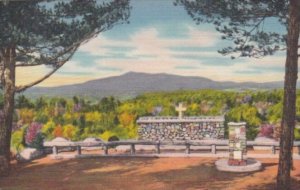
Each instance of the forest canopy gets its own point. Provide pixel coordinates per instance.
(78, 118)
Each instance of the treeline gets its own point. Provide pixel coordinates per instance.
(109, 118)
(74, 119)
(253, 107)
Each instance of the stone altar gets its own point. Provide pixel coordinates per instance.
(180, 128)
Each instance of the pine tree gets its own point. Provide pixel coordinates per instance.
(37, 32)
(242, 22)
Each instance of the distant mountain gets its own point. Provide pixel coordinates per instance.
(132, 84)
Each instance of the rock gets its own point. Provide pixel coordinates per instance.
(59, 139)
(29, 154)
(92, 139)
(265, 140)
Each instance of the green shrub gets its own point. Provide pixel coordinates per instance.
(17, 140)
(41, 118)
(106, 135)
(113, 138)
(47, 130)
(248, 114)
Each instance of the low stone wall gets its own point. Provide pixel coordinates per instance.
(168, 129)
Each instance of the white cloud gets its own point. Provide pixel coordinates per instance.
(149, 52)
(202, 38)
(147, 43)
(97, 46)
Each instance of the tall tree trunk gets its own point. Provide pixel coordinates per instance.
(289, 102)
(9, 92)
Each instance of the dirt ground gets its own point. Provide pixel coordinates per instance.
(138, 174)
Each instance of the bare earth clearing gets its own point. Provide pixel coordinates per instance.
(139, 174)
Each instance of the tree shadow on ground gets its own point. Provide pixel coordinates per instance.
(89, 173)
(135, 174)
(266, 165)
(203, 176)
(206, 176)
(295, 185)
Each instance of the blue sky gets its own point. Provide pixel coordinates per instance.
(162, 38)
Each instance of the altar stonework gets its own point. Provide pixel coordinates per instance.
(180, 128)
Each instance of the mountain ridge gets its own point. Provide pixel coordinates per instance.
(132, 84)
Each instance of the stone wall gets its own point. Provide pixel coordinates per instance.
(188, 128)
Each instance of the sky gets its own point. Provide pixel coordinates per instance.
(160, 38)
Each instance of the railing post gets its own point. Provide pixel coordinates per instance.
(213, 149)
(78, 150)
(132, 149)
(273, 149)
(188, 148)
(105, 149)
(158, 148)
(55, 150)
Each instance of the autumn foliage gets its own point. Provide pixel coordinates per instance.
(58, 131)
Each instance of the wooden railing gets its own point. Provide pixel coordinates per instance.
(213, 145)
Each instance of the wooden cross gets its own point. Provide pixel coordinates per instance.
(180, 109)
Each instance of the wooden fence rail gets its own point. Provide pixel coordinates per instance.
(213, 145)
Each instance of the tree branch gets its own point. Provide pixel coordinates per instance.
(254, 27)
(59, 65)
(24, 87)
(71, 49)
(28, 65)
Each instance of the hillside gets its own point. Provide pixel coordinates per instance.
(132, 84)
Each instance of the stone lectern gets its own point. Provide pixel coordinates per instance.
(237, 161)
(237, 144)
